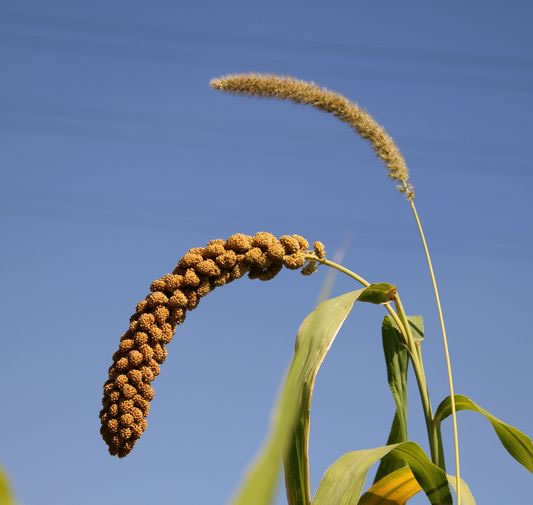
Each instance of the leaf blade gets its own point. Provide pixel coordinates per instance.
(296, 461)
(315, 336)
(397, 363)
(344, 479)
(378, 293)
(466, 495)
(395, 488)
(517, 443)
(399, 486)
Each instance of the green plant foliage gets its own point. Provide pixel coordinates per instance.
(397, 434)
(399, 486)
(518, 444)
(402, 342)
(343, 481)
(466, 494)
(393, 489)
(315, 336)
(416, 323)
(378, 293)
(6, 496)
(296, 461)
(397, 362)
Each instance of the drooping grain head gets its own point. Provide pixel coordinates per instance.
(142, 348)
(295, 90)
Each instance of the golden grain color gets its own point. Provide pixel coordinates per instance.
(295, 90)
(142, 348)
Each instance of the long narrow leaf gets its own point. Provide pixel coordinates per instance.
(466, 494)
(399, 486)
(518, 444)
(296, 462)
(389, 464)
(315, 336)
(343, 481)
(397, 361)
(393, 489)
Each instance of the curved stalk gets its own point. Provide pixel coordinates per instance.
(400, 318)
(360, 280)
(445, 345)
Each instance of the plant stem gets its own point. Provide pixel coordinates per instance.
(445, 343)
(359, 279)
(418, 367)
(400, 318)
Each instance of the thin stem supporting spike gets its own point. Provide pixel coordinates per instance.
(445, 344)
(360, 280)
(400, 319)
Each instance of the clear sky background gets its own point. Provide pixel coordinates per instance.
(116, 157)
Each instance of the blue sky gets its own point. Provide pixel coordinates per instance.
(117, 157)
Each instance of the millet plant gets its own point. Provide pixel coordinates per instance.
(405, 469)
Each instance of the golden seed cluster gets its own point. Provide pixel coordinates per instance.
(288, 88)
(142, 349)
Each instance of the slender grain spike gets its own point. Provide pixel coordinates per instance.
(295, 90)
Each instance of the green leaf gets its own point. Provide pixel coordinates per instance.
(416, 323)
(6, 496)
(518, 444)
(343, 481)
(401, 485)
(467, 498)
(378, 293)
(397, 361)
(389, 464)
(393, 489)
(315, 336)
(296, 462)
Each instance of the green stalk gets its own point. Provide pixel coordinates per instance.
(420, 375)
(359, 279)
(400, 318)
(444, 340)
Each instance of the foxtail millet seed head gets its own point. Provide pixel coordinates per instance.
(142, 348)
(298, 91)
